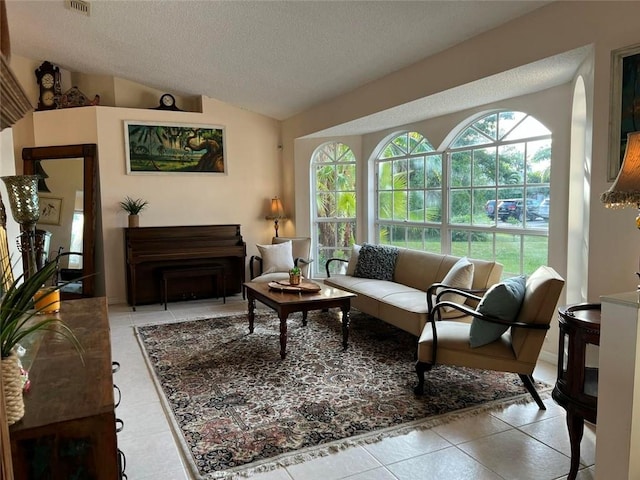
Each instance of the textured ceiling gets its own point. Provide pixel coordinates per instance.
(277, 58)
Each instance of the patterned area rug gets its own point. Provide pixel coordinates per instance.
(240, 408)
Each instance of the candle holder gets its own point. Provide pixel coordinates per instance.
(25, 208)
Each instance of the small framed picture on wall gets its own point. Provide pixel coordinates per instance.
(50, 210)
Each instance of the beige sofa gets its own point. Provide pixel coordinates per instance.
(403, 301)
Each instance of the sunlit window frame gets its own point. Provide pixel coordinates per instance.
(495, 230)
(318, 270)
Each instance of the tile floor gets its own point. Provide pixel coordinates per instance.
(519, 442)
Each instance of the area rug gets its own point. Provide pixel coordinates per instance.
(238, 408)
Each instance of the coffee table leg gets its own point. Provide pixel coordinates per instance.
(304, 318)
(252, 306)
(283, 335)
(345, 326)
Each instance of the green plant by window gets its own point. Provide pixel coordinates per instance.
(133, 207)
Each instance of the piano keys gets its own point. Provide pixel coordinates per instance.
(149, 250)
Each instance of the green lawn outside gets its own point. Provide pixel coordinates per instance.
(507, 251)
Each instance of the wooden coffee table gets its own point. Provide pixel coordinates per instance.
(284, 303)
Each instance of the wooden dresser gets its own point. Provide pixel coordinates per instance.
(69, 430)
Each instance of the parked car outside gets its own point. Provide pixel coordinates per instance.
(490, 209)
(514, 208)
(543, 208)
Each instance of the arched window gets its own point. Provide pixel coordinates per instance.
(333, 176)
(498, 191)
(409, 193)
(486, 196)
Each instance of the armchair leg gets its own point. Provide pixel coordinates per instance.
(421, 368)
(528, 383)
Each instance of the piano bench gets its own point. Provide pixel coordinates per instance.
(194, 271)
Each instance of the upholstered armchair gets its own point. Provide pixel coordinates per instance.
(448, 342)
(275, 260)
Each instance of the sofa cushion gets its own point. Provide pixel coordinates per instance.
(276, 258)
(376, 261)
(459, 276)
(503, 301)
(353, 259)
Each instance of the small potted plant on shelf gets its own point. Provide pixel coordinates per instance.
(294, 275)
(133, 208)
(19, 320)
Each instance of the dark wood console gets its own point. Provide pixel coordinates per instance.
(576, 389)
(69, 429)
(149, 250)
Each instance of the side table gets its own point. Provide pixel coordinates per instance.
(576, 389)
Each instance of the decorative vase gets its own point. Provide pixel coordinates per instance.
(294, 279)
(134, 221)
(12, 384)
(47, 300)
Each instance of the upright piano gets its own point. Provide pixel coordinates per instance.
(149, 250)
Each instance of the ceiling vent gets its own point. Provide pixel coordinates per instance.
(79, 6)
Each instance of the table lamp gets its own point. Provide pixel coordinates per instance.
(625, 190)
(277, 212)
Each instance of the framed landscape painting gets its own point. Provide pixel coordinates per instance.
(163, 148)
(625, 103)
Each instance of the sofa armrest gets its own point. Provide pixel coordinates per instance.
(326, 265)
(255, 258)
(469, 293)
(437, 316)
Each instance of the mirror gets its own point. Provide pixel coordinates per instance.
(67, 212)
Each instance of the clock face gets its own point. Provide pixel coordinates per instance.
(47, 80)
(48, 98)
(167, 100)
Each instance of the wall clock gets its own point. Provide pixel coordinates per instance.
(48, 77)
(167, 102)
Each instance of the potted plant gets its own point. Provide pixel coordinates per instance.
(294, 275)
(18, 320)
(133, 208)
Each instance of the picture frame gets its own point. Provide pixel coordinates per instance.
(50, 210)
(625, 99)
(157, 148)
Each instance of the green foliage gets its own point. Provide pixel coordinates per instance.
(17, 314)
(133, 207)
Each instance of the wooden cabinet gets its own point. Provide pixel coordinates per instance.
(69, 430)
(576, 389)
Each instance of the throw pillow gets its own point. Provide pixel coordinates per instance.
(276, 258)
(353, 260)
(459, 276)
(376, 261)
(503, 300)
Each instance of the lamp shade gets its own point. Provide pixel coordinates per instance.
(277, 210)
(625, 191)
